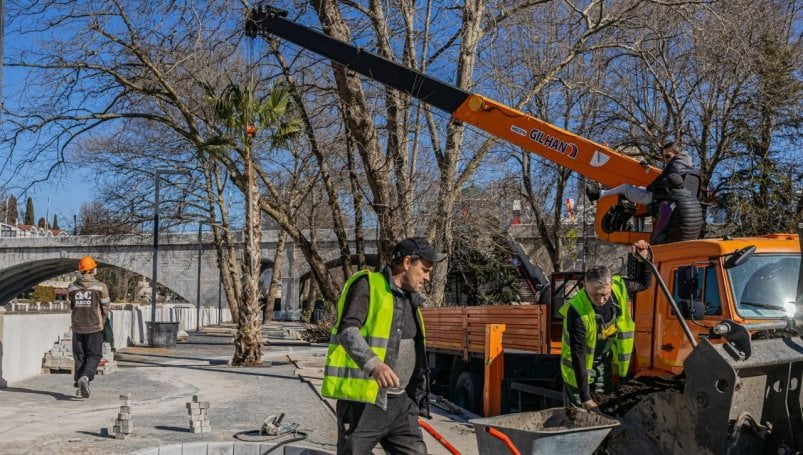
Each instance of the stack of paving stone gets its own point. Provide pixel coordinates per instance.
(107, 352)
(60, 357)
(199, 418)
(107, 363)
(123, 427)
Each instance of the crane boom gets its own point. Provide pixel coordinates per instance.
(586, 157)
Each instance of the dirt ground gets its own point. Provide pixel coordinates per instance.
(629, 394)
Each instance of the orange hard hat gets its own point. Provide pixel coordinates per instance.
(86, 264)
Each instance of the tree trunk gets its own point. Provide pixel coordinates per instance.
(248, 340)
(356, 194)
(323, 165)
(224, 241)
(329, 288)
(441, 229)
(359, 121)
(276, 277)
(551, 238)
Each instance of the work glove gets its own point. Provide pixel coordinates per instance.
(591, 406)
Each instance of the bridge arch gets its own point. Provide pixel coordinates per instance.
(21, 277)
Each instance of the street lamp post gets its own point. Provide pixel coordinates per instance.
(198, 285)
(157, 178)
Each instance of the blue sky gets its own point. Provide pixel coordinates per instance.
(67, 187)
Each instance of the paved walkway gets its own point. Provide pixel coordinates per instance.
(41, 415)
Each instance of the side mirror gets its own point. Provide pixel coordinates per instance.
(740, 256)
(692, 309)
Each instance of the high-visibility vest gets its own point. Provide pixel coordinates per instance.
(343, 378)
(622, 343)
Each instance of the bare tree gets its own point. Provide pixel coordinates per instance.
(110, 65)
(716, 81)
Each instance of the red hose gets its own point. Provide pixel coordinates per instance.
(438, 437)
(503, 437)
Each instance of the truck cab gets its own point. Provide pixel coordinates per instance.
(741, 279)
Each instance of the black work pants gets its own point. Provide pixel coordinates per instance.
(87, 350)
(361, 426)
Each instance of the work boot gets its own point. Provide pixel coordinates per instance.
(83, 386)
(592, 192)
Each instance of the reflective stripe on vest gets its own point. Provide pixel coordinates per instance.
(623, 342)
(343, 378)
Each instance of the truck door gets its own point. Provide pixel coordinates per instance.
(696, 290)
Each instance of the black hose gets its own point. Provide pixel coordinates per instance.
(668, 295)
(255, 436)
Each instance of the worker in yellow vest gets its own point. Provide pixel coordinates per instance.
(376, 366)
(598, 332)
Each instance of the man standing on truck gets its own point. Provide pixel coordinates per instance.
(376, 365)
(598, 332)
(89, 301)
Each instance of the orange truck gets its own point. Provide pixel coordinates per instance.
(725, 313)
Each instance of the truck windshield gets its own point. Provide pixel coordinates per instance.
(765, 286)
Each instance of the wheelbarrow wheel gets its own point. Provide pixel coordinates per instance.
(468, 391)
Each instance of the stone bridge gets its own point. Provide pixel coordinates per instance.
(25, 262)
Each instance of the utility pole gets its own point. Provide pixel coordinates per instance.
(154, 282)
(198, 284)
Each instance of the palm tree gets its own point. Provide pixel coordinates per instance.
(245, 118)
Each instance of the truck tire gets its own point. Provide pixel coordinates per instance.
(458, 367)
(468, 391)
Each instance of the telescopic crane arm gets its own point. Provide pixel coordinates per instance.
(588, 158)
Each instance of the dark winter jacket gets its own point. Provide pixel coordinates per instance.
(681, 164)
(685, 221)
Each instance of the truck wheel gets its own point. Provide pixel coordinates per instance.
(458, 368)
(468, 391)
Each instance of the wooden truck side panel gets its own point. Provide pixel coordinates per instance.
(462, 329)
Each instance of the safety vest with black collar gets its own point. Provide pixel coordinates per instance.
(623, 326)
(343, 379)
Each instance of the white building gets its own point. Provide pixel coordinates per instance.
(27, 230)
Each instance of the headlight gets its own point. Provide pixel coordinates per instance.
(791, 309)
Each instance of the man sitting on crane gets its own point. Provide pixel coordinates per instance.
(598, 332)
(677, 212)
(676, 162)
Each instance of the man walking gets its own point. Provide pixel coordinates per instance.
(89, 301)
(376, 365)
(598, 332)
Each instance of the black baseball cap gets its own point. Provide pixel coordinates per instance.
(416, 246)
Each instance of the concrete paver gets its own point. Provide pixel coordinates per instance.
(41, 415)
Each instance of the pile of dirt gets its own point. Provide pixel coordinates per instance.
(629, 394)
(661, 423)
(557, 419)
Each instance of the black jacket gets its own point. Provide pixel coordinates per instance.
(681, 164)
(685, 222)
